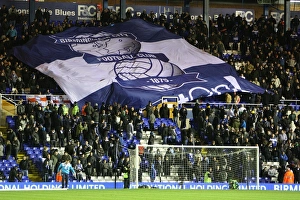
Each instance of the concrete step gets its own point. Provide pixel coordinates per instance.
(8, 108)
(33, 173)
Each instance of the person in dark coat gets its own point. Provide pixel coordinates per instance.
(266, 98)
(14, 175)
(8, 149)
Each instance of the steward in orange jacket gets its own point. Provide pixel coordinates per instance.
(288, 176)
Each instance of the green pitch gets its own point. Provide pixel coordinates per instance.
(148, 194)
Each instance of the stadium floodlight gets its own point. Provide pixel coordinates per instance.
(192, 167)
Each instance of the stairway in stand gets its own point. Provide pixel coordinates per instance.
(33, 173)
(9, 109)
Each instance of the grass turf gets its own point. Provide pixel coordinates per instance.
(148, 194)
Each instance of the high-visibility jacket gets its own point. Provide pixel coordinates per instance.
(288, 177)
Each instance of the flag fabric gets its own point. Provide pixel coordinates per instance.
(131, 63)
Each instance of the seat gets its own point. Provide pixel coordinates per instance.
(267, 180)
(8, 169)
(29, 152)
(26, 148)
(104, 158)
(37, 152)
(11, 160)
(14, 164)
(32, 156)
(9, 118)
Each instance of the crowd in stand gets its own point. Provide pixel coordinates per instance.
(91, 135)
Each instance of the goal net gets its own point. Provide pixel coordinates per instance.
(175, 167)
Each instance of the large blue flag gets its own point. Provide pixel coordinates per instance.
(130, 63)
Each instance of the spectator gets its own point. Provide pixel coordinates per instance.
(47, 169)
(12, 15)
(175, 113)
(79, 170)
(8, 149)
(46, 15)
(12, 33)
(24, 166)
(297, 174)
(39, 14)
(283, 159)
(88, 171)
(152, 119)
(130, 130)
(1, 151)
(182, 116)
(272, 172)
(14, 175)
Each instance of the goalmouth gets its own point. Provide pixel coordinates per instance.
(194, 167)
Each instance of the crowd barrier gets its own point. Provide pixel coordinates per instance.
(4, 186)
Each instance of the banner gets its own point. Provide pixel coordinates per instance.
(158, 185)
(43, 99)
(78, 11)
(130, 63)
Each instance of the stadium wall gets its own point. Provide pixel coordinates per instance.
(4, 186)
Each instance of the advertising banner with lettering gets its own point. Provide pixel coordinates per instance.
(158, 185)
(76, 11)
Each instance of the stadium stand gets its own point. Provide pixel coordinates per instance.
(263, 117)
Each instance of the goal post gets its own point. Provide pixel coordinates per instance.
(183, 167)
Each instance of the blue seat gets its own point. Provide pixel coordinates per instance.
(37, 151)
(261, 180)
(32, 156)
(104, 158)
(267, 180)
(9, 118)
(135, 141)
(29, 152)
(14, 165)
(7, 90)
(26, 148)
